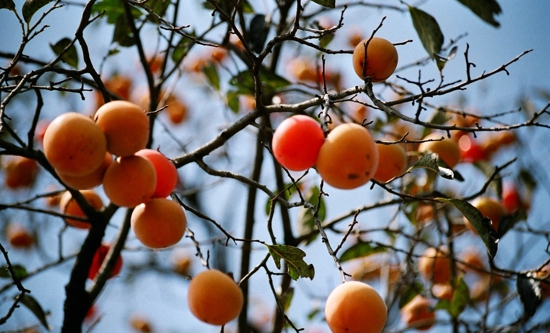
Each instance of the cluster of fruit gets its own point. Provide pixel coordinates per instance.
(347, 158)
(81, 152)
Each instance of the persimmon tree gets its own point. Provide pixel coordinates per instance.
(215, 79)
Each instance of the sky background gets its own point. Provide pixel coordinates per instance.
(524, 25)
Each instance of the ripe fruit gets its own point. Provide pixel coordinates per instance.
(125, 125)
(489, 208)
(40, 130)
(447, 149)
(443, 291)
(472, 261)
(296, 142)
(544, 273)
(95, 178)
(304, 70)
(374, 267)
(392, 162)
(69, 206)
(470, 150)
(20, 172)
(181, 263)
(435, 265)
(511, 199)
(354, 38)
(496, 141)
(74, 145)
(120, 85)
(214, 298)
(418, 313)
(355, 307)
(98, 259)
(129, 181)
(176, 110)
(348, 158)
(159, 223)
(167, 174)
(140, 324)
(19, 236)
(380, 61)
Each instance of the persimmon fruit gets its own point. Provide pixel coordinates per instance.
(74, 145)
(125, 125)
(447, 149)
(418, 313)
(511, 198)
(489, 208)
(380, 60)
(140, 323)
(470, 150)
(296, 142)
(348, 158)
(355, 307)
(167, 174)
(69, 206)
(443, 291)
(20, 172)
(158, 223)
(214, 298)
(435, 265)
(19, 236)
(130, 181)
(98, 259)
(392, 162)
(91, 180)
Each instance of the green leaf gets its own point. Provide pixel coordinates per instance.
(8, 4)
(361, 249)
(314, 312)
(507, 222)
(325, 40)
(439, 117)
(484, 9)
(409, 293)
(431, 161)
(459, 299)
(271, 82)
(481, 224)
(30, 7)
(259, 29)
(19, 271)
(183, 47)
(123, 34)
(33, 305)
(428, 30)
(159, 7)
(306, 220)
(69, 56)
(232, 98)
(326, 3)
(286, 298)
(211, 74)
(529, 293)
(112, 9)
(442, 61)
(293, 258)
